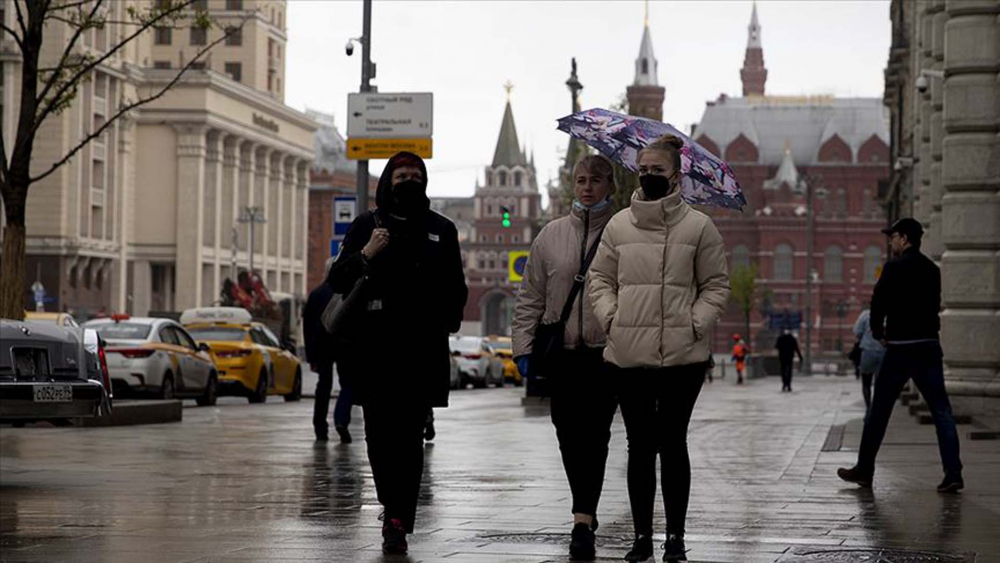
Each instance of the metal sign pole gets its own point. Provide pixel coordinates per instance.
(366, 62)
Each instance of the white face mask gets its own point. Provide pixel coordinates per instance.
(601, 205)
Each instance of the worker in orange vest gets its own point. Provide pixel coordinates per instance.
(740, 351)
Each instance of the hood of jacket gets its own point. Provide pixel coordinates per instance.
(383, 196)
(657, 214)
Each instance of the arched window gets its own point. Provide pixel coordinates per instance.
(517, 178)
(483, 238)
(489, 178)
(502, 178)
(783, 261)
(833, 264)
(645, 65)
(499, 239)
(873, 261)
(741, 256)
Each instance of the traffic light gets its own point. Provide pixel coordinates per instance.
(505, 214)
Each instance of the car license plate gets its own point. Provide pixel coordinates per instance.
(53, 394)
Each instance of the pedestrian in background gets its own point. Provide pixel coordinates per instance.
(583, 397)
(658, 285)
(413, 297)
(739, 357)
(788, 348)
(905, 309)
(872, 353)
(320, 355)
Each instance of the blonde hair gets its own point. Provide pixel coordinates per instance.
(596, 164)
(669, 144)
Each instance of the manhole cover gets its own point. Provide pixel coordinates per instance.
(553, 539)
(871, 555)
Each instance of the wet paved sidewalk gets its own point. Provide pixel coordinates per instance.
(243, 482)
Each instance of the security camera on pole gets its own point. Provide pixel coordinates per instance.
(367, 73)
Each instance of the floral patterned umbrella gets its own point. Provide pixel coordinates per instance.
(707, 180)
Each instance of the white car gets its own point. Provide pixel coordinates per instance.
(153, 356)
(476, 364)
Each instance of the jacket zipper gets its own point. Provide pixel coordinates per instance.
(583, 257)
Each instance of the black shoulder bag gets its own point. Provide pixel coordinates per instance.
(550, 338)
(342, 313)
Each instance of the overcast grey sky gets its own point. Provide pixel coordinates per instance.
(464, 51)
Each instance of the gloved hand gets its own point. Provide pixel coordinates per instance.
(522, 365)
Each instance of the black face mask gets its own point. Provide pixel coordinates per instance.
(654, 186)
(409, 195)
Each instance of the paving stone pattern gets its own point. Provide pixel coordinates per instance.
(246, 483)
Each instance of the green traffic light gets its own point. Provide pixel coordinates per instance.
(505, 213)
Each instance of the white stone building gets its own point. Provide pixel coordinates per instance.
(142, 219)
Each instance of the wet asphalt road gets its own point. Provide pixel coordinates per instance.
(241, 482)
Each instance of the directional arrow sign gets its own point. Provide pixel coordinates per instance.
(368, 149)
(389, 116)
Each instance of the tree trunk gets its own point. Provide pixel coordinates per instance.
(12, 262)
(746, 318)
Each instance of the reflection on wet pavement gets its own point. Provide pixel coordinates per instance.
(242, 482)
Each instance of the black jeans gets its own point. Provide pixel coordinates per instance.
(657, 406)
(341, 411)
(923, 363)
(394, 432)
(583, 408)
(786, 373)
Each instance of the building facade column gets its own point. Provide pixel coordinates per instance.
(262, 200)
(933, 246)
(191, 153)
(230, 201)
(274, 217)
(303, 252)
(971, 204)
(288, 210)
(119, 278)
(214, 211)
(247, 172)
(142, 287)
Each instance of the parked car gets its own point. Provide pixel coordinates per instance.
(503, 348)
(156, 357)
(51, 373)
(250, 360)
(64, 320)
(476, 364)
(456, 374)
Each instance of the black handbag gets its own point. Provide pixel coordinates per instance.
(342, 314)
(550, 338)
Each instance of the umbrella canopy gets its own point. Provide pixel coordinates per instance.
(707, 179)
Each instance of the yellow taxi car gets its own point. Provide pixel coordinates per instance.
(248, 356)
(64, 320)
(502, 348)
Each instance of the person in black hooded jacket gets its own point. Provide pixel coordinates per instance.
(414, 298)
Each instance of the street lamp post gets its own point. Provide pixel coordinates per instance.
(810, 223)
(251, 215)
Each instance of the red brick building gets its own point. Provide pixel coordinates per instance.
(780, 148)
(332, 175)
(509, 182)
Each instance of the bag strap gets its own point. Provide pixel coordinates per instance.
(579, 279)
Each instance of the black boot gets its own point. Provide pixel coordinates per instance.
(642, 548)
(581, 544)
(394, 538)
(673, 549)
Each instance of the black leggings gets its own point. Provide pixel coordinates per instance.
(657, 405)
(394, 433)
(583, 408)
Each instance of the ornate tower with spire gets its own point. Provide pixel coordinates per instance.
(510, 184)
(753, 73)
(645, 95)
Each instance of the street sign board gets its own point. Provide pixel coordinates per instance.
(404, 115)
(334, 247)
(345, 209)
(367, 149)
(516, 262)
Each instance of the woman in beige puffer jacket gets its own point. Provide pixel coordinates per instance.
(583, 400)
(658, 285)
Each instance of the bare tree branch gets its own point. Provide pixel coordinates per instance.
(13, 34)
(69, 5)
(78, 75)
(66, 54)
(142, 101)
(20, 17)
